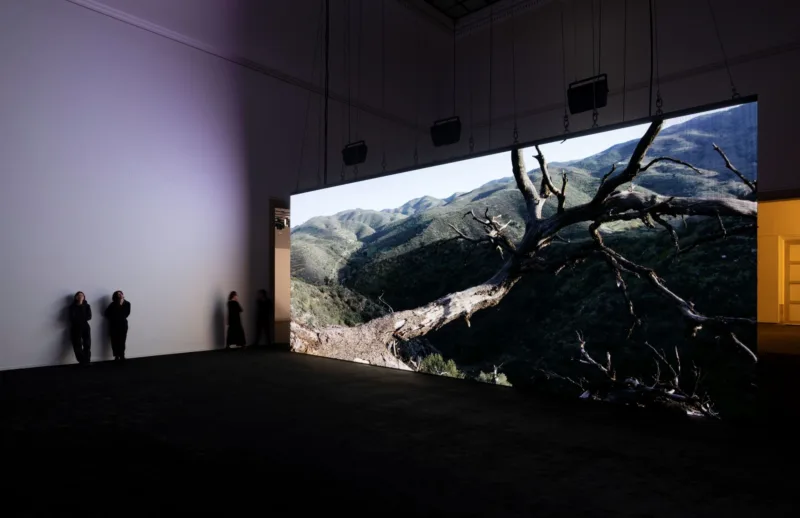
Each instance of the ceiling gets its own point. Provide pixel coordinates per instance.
(456, 9)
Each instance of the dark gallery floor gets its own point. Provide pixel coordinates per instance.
(258, 431)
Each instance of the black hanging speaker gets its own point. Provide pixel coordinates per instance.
(446, 131)
(355, 153)
(587, 94)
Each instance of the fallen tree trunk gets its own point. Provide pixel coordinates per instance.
(372, 342)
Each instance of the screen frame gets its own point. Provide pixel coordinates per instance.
(538, 142)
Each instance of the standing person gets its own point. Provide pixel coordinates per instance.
(80, 333)
(117, 314)
(263, 304)
(235, 329)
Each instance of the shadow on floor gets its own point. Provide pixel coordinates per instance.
(229, 432)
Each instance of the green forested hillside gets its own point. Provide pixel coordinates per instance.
(408, 256)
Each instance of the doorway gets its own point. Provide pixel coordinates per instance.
(792, 288)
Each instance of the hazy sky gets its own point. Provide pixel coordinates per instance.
(442, 181)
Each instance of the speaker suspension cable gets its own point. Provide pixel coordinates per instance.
(491, 56)
(346, 74)
(659, 100)
(455, 62)
(734, 92)
(564, 71)
(594, 73)
(318, 40)
(327, 91)
(515, 133)
(383, 83)
(624, 57)
(417, 39)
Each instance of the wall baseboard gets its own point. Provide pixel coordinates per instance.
(784, 194)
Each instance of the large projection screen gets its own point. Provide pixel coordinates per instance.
(588, 285)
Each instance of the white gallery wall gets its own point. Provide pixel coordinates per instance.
(137, 157)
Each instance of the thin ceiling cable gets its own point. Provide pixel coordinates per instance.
(600, 37)
(652, 61)
(327, 96)
(734, 93)
(383, 83)
(472, 79)
(322, 141)
(359, 32)
(345, 70)
(348, 50)
(659, 100)
(515, 134)
(454, 68)
(574, 40)
(310, 94)
(564, 71)
(624, 56)
(491, 55)
(595, 71)
(417, 39)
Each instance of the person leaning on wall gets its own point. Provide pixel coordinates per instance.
(80, 333)
(235, 329)
(117, 314)
(263, 305)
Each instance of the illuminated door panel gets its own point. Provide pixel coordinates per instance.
(794, 253)
(793, 282)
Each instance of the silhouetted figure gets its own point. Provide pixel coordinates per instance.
(235, 329)
(117, 314)
(80, 333)
(263, 304)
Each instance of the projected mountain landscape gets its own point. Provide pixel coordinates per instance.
(639, 292)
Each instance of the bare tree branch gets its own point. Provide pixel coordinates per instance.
(675, 373)
(547, 182)
(587, 358)
(634, 164)
(743, 178)
(623, 287)
(669, 228)
(734, 231)
(532, 201)
(744, 347)
(686, 309)
(609, 173)
(382, 301)
(673, 160)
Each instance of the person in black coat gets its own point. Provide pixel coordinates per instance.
(117, 314)
(263, 305)
(80, 333)
(235, 328)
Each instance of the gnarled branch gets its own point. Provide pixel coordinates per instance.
(532, 201)
(634, 164)
(729, 165)
(695, 319)
(547, 182)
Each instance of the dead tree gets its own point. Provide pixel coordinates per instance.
(532, 253)
(664, 391)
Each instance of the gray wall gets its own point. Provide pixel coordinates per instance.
(122, 168)
(137, 153)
